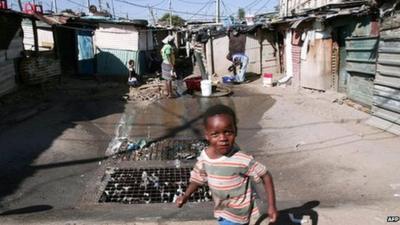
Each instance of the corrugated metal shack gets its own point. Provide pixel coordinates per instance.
(40, 63)
(332, 48)
(259, 46)
(11, 48)
(104, 47)
(386, 89)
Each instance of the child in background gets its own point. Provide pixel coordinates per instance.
(133, 78)
(228, 172)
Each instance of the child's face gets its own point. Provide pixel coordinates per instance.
(220, 133)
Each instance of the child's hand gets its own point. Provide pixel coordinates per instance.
(181, 200)
(272, 214)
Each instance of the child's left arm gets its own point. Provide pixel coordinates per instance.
(270, 191)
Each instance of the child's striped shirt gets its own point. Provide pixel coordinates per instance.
(229, 180)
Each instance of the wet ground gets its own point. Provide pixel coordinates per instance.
(327, 164)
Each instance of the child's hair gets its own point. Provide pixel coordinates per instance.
(131, 62)
(218, 110)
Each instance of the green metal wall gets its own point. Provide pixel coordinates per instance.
(113, 62)
(386, 107)
(361, 68)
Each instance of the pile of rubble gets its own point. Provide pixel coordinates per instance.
(152, 91)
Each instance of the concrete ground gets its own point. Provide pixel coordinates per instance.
(329, 167)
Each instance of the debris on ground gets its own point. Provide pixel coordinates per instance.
(167, 149)
(152, 91)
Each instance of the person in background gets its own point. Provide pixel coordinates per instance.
(228, 172)
(168, 64)
(132, 76)
(241, 60)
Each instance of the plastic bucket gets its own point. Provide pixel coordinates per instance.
(206, 87)
(267, 79)
(227, 79)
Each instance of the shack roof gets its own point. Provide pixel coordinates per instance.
(96, 20)
(327, 12)
(15, 13)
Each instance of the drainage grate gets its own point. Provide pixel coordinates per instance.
(150, 185)
(167, 149)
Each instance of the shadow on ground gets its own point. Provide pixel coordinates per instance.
(296, 215)
(22, 143)
(26, 210)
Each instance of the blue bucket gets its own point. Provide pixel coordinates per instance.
(227, 80)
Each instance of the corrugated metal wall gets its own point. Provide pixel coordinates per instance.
(221, 49)
(113, 36)
(29, 41)
(40, 68)
(7, 77)
(253, 51)
(261, 57)
(386, 100)
(268, 57)
(360, 65)
(146, 41)
(114, 62)
(10, 49)
(45, 40)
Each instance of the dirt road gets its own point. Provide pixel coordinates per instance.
(329, 167)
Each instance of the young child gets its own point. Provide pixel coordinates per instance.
(228, 172)
(133, 78)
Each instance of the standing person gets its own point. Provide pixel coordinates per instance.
(168, 63)
(228, 172)
(241, 60)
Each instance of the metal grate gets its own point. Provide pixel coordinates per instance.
(150, 185)
(167, 149)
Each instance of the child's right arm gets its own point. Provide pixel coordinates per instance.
(181, 200)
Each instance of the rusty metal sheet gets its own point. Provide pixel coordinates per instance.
(316, 69)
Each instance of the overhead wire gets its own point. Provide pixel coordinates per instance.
(77, 3)
(252, 4)
(165, 10)
(262, 7)
(190, 2)
(226, 8)
(197, 13)
(160, 3)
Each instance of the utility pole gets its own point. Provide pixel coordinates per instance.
(20, 5)
(217, 10)
(100, 5)
(170, 13)
(55, 6)
(88, 4)
(152, 15)
(113, 9)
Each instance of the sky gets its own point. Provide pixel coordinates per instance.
(138, 9)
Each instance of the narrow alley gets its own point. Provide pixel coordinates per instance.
(103, 115)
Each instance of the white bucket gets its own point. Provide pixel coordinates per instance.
(205, 87)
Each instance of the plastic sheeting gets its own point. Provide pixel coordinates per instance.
(85, 52)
